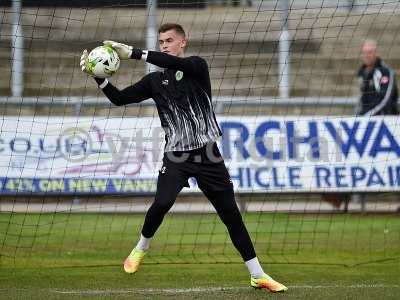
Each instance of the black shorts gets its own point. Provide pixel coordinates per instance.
(205, 164)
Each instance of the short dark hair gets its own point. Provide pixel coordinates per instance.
(172, 26)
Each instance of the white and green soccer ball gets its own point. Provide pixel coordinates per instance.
(103, 62)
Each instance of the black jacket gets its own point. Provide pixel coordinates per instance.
(379, 92)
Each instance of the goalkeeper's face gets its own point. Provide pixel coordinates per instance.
(172, 43)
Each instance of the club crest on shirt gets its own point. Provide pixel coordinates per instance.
(384, 79)
(178, 75)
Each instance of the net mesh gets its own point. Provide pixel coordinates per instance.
(83, 204)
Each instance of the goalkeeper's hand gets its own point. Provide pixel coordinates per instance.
(124, 51)
(84, 64)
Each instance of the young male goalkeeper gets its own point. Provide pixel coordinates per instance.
(182, 93)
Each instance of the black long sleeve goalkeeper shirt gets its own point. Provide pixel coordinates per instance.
(182, 94)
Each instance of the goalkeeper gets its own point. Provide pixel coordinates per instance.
(182, 94)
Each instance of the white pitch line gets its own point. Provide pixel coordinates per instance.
(147, 291)
(353, 286)
(214, 289)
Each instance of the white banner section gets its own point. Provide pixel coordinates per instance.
(263, 154)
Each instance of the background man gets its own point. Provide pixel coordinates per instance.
(378, 85)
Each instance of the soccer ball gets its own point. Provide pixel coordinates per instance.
(103, 62)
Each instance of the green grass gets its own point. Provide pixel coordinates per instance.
(79, 256)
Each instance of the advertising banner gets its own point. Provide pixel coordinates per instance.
(263, 154)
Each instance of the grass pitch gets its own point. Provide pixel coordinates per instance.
(79, 256)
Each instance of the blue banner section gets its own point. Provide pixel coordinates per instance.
(322, 178)
(350, 138)
(72, 186)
